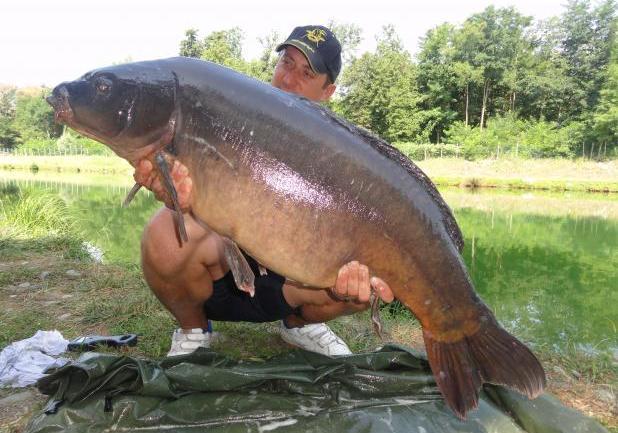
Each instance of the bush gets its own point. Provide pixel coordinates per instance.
(70, 141)
(416, 151)
(38, 145)
(9, 137)
(509, 136)
(545, 140)
(30, 214)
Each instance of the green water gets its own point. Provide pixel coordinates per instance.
(547, 264)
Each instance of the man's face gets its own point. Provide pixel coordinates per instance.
(293, 74)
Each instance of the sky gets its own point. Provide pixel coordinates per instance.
(44, 42)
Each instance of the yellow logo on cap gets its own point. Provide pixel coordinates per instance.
(316, 36)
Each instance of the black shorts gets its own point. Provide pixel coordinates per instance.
(229, 303)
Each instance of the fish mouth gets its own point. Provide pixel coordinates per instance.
(59, 100)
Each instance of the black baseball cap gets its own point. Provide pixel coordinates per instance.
(320, 46)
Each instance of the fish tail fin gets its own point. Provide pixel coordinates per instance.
(491, 355)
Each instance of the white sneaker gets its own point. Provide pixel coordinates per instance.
(187, 341)
(317, 338)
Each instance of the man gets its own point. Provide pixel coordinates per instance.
(193, 281)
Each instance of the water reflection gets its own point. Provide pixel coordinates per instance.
(547, 264)
(97, 208)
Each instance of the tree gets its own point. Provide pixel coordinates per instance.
(379, 91)
(586, 46)
(545, 84)
(436, 77)
(606, 115)
(468, 68)
(476, 67)
(34, 118)
(9, 137)
(191, 46)
(225, 48)
(263, 68)
(349, 36)
(499, 52)
(7, 101)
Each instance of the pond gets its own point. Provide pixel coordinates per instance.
(546, 263)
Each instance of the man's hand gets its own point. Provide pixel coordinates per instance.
(353, 284)
(149, 178)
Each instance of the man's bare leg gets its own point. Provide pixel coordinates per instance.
(317, 306)
(180, 277)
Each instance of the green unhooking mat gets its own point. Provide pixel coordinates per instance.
(391, 390)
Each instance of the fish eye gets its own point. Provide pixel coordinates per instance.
(103, 85)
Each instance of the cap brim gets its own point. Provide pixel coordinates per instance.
(312, 63)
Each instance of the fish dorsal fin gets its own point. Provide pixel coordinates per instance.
(395, 154)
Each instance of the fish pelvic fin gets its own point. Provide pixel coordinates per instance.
(241, 271)
(491, 355)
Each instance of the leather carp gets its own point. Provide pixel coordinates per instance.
(305, 192)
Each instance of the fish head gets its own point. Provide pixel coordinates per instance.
(126, 107)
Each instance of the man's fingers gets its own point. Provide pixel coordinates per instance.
(143, 173)
(353, 280)
(364, 287)
(184, 193)
(382, 289)
(341, 285)
(179, 172)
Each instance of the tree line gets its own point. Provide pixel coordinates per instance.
(500, 83)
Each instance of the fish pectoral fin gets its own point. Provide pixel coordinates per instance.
(131, 195)
(243, 275)
(168, 183)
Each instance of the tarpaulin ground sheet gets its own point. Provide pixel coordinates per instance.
(390, 390)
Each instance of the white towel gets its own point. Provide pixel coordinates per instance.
(22, 363)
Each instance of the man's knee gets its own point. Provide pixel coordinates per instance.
(159, 248)
(162, 252)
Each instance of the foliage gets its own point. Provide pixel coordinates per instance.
(606, 115)
(498, 63)
(379, 91)
(72, 140)
(35, 215)
(586, 46)
(7, 101)
(34, 118)
(263, 68)
(498, 83)
(350, 36)
(416, 151)
(507, 135)
(225, 48)
(190, 46)
(9, 137)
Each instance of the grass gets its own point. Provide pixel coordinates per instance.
(112, 299)
(543, 174)
(67, 164)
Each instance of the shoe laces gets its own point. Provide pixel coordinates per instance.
(321, 333)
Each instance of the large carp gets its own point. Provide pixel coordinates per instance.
(305, 192)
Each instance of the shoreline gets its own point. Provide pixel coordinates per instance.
(505, 174)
